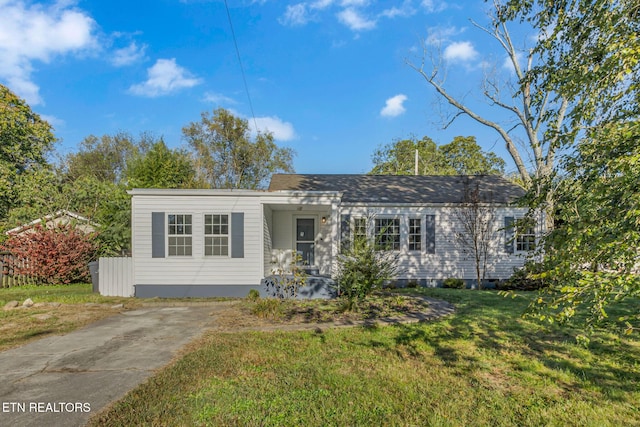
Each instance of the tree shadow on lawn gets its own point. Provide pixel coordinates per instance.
(472, 338)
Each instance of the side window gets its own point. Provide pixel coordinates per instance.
(180, 234)
(415, 234)
(525, 238)
(216, 235)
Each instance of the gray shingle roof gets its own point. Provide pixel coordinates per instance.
(402, 188)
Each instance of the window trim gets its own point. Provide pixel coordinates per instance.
(176, 235)
(213, 236)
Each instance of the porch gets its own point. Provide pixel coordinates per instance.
(302, 231)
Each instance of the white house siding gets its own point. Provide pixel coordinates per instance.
(197, 269)
(450, 259)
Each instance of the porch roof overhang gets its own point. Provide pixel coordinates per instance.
(300, 200)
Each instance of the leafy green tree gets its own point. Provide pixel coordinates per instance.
(25, 141)
(104, 158)
(594, 254)
(398, 158)
(591, 57)
(461, 156)
(590, 54)
(226, 157)
(160, 167)
(466, 157)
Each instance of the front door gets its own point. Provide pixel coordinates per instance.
(305, 239)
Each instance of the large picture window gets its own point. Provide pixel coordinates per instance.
(180, 234)
(216, 235)
(415, 234)
(387, 234)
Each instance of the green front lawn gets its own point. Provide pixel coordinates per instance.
(482, 366)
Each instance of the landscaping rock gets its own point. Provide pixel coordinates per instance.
(11, 304)
(28, 303)
(117, 306)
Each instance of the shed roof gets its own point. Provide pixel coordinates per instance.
(389, 189)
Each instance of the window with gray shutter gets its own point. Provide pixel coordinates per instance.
(430, 234)
(237, 235)
(508, 234)
(157, 234)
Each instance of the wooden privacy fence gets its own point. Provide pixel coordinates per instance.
(115, 277)
(8, 275)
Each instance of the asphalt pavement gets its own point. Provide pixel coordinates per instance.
(64, 380)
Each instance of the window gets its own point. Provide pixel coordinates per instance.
(526, 239)
(415, 234)
(216, 235)
(179, 235)
(359, 228)
(387, 234)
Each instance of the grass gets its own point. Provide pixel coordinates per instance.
(79, 306)
(484, 365)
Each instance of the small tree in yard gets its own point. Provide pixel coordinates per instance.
(52, 256)
(362, 268)
(476, 218)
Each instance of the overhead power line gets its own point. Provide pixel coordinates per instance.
(244, 78)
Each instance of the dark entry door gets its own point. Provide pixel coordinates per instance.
(305, 239)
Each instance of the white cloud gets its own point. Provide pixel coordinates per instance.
(349, 3)
(439, 35)
(128, 55)
(403, 11)
(460, 51)
(320, 4)
(355, 20)
(394, 106)
(281, 130)
(34, 32)
(295, 15)
(52, 120)
(218, 98)
(433, 5)
(164, 77)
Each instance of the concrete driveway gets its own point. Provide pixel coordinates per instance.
(64, 380)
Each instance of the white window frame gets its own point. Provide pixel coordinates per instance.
(419, 234)
(398, 225)
(525, 241)
(217, 239)
(182, 232)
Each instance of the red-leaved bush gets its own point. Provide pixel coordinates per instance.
(52, 256)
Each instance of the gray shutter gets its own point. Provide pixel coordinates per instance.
(430, 232)
(508, 234)
(345, 228)
(157, 234)
(237, 235)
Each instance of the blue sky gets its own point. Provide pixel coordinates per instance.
(328, 77)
